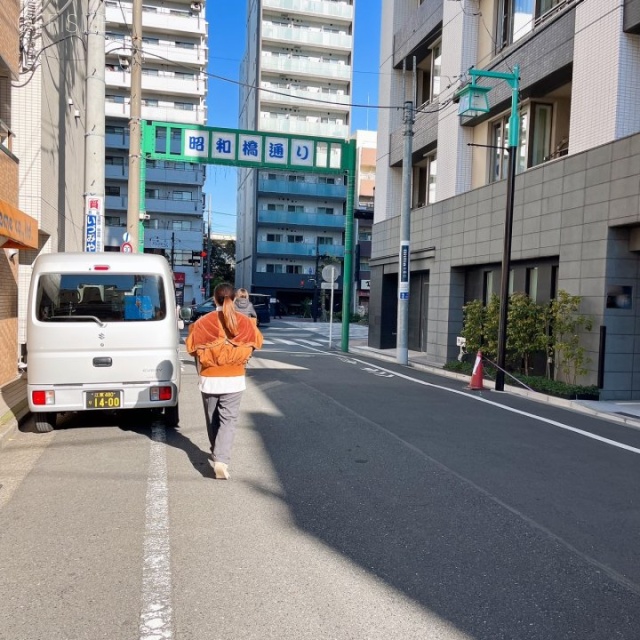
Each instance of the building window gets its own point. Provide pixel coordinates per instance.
(487, 287)
(117, 161)
(295, 239)
(182, 195)
(274, 237)
(499, 147)
(149, 102)
(531, 284)
(326, 180)
(185, 45)
(540, 134)
(181, 257)
(110, 190)
(515, 20)
(150, 72)
(295, 208)
(114, 130)
(436, 70)
(114, 99)
(274, 268)
(364, 236)
(146, 40)
(432, 173)
(152, 194)
(185, 106)
(112, 221)
(325, 240)
(327, 210)
(294, 268)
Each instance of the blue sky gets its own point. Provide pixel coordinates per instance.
(227, 32)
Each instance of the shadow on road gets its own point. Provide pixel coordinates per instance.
(423, 530)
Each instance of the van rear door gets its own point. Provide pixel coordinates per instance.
(103, 327)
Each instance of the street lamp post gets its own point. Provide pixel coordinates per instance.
(474, 101)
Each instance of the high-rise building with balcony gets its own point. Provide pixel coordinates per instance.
(297, 79)
(174, 87)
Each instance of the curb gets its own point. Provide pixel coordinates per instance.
(632, 423)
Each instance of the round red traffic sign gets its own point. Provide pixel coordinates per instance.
(126, 247)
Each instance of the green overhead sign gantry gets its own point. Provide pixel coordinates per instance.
(258, 150)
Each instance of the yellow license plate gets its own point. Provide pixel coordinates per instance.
(104, 399)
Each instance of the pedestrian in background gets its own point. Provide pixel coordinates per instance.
(223, 341)
(244, 305)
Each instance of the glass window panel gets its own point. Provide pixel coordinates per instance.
(436, 70)
(100, 296)
(541, 135)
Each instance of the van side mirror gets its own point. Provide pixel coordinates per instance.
(186, 313)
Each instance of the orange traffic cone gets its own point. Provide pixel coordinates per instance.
(476, 376)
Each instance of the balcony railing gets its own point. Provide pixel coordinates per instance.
(163, 84)
(310, 189)
(299, 219)
(160, 53)
(160, 20)
(301, 98)
(322, 129)
(306, 68)
(156, 205)
(340, 10)
(298, 249)
(166, 114)
(188, 177)
(307, 36)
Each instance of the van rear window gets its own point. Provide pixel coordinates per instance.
(100, 297)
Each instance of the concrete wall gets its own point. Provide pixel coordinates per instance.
(579, 209)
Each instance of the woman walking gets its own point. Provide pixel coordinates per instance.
(244, 305)
(222, 341)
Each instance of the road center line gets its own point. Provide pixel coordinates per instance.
(554, 423)
(156, 613)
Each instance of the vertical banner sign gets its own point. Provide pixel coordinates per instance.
(94, 224)
(403, 289)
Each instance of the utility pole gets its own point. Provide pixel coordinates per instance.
(402, 347)
(315, 283)
(94, 120)
(135, 129)
(208, 258)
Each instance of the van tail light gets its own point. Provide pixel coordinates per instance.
(161, 393)
(43, 397)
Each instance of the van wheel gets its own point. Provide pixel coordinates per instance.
(171, 416)
(45, 422)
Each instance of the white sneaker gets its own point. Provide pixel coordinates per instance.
(220, 469)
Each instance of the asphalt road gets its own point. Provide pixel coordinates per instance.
(367, 501)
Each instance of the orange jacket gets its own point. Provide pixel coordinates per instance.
(208, 329)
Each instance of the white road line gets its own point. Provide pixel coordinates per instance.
(283, 341)
(313, 343)
(156, 613)
(554, 423)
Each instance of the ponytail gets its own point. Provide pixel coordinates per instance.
(224, 295)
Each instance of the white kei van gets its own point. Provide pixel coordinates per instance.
(102, 333)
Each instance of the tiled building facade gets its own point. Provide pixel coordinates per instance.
(577, 190)
(18, 231)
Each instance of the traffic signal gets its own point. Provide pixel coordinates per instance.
(203, 254)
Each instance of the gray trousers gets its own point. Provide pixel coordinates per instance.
(222, 412)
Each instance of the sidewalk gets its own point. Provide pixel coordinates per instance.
(623, 412)
(13, 406)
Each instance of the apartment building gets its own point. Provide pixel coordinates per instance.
(297, 75)
(30, 117)
(363, 217)
(174, 88)
(576, 219)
